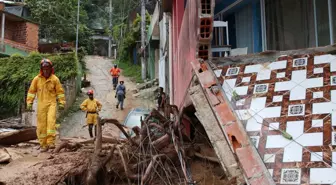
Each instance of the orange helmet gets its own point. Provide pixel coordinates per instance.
(46, 61)
(90, 92)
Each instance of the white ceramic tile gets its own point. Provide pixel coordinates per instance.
(269, 158)
(323, 59)
(274, 126)
(254, 124)
(252, 68)
(311, 139)
(232, 71)
(292, 153)
(295, 128)
(240, 102)
(312, 82)
(260, 88)
(318, 94)
(278, 65)
(277, 98)
(264, 74)
(276, 141)
(317, 123)
(228, 87)
(316, 156)
(333, 80)
(333, 95)
(257, 104)
(298, 85)
(318, 70)
(322, 175)
(297, 93)
(246, 79)
(271, 172)
(299, 62)
(255, 140)
(284, 86)
(241, 90)
(281, 75)
(291, 176)
(296, 110)
(333, 138)
(218, 72)
(270, 112)
(244, 114)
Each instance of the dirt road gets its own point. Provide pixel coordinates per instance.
(26, 157)
(101, 83)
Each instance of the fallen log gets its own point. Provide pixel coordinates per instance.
(18, 136)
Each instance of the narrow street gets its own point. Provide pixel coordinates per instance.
(101, 84)
(26, 156)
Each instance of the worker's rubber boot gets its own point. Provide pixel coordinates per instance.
(117, 106)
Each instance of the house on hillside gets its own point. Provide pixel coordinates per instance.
(18, 34)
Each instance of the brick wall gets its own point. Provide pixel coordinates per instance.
(32, 35)
(22, 35)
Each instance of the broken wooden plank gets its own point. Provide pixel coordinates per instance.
(220, 144)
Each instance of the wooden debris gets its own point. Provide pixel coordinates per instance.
(17, 136)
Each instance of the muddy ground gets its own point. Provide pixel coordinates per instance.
(29, 167)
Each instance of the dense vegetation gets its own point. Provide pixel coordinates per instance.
(126, 43)
(58, 19)
(16, 71)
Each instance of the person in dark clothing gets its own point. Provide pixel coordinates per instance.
(161, 97)
(121, 95)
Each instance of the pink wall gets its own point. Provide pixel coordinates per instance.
(184, 47)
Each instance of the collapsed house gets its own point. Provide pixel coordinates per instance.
(269, 116)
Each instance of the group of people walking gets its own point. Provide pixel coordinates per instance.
(50, 93)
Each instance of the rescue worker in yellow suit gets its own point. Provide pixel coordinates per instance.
(92, 106)
(48, 88)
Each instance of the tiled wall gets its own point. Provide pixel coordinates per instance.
(292, 97)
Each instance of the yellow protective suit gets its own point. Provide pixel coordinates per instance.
(48, 90)
(92, 107)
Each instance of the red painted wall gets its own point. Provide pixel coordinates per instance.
(184, 47)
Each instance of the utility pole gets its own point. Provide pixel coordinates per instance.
(110, 39)
(143, 27)
(78, 7)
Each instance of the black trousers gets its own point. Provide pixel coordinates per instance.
(90, 130)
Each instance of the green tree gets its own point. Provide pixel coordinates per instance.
(58, 20)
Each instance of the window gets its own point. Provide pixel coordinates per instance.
(289, 24)
(322, 17)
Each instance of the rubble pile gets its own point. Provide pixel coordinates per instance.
(154, 152)
(147, 90)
